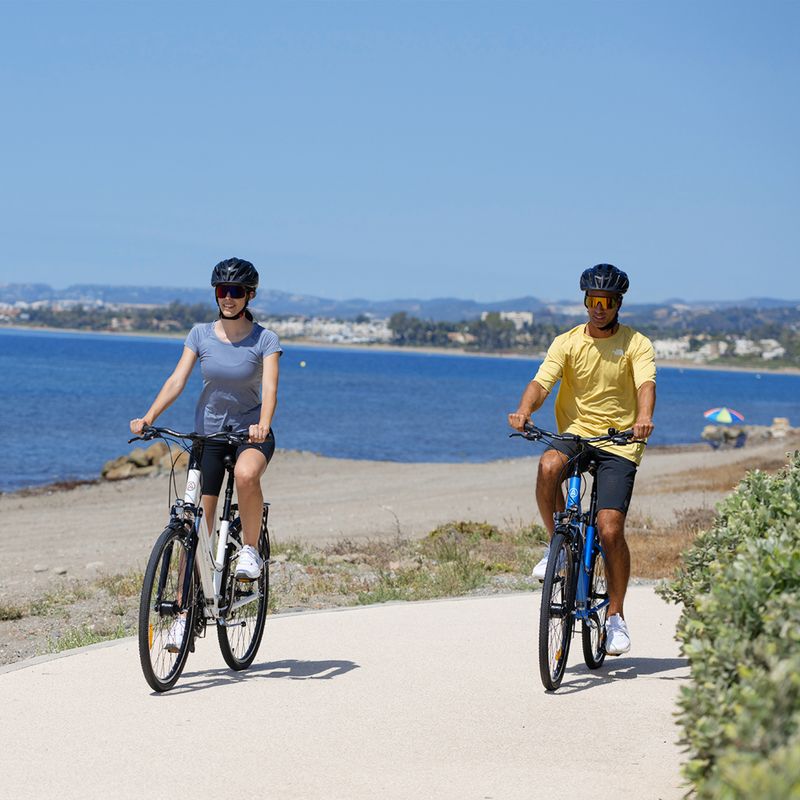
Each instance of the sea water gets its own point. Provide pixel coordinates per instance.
(66, 399)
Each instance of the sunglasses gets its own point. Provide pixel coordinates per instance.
(234, 290)
(603, 302)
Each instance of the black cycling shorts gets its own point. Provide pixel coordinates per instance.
(615, 474)
(212, 468)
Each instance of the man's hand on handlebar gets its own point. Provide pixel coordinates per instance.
(642, 428)
(517, 420)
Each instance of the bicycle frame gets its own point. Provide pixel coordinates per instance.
(585, 539)
(211, 564)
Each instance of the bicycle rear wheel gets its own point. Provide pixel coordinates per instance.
(556, 618)
(241, 625)
(166, 622)
(593, 630)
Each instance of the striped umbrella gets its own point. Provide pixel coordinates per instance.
(724, 414)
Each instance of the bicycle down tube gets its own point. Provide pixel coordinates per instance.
(212, 565)
(587, 521)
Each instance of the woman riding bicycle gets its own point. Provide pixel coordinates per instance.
(239, 363)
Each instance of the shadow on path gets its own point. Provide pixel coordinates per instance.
(579, 677)
(289, 668)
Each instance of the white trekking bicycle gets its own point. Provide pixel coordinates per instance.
(190, 578)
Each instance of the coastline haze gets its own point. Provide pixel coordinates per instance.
(132, 294)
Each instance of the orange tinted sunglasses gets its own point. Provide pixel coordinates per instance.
(605, 302)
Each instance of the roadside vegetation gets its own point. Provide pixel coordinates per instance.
(740, 629)
(455, 559)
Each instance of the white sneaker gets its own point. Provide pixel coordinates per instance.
(249, 565)
(175, 635)
(540, 569)
(618, 640)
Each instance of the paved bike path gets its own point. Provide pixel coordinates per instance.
(412, 700)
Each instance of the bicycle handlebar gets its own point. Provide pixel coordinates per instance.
(149, 432)
(533, 433)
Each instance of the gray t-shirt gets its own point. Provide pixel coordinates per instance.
(231, 377)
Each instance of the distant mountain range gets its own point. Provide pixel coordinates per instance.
(275, 302)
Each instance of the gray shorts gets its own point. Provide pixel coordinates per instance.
(615, 475)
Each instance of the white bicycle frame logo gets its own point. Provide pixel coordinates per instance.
(573, 494)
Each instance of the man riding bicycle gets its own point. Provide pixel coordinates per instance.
(607, 373)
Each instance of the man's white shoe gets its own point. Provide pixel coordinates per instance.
(249, 565)
(618, 640)
(175, 635)
(540, 569)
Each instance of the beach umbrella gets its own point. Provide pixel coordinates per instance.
(724, 414)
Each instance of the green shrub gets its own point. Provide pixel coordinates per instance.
(740, 630)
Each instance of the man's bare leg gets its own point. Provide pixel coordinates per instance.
(611, 525)
(549, 496)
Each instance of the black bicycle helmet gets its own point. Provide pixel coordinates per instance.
(604, 278)
(236, 271)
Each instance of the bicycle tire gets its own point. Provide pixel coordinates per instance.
(556, 617)
(240, 631)
(159, 608)
(593, 630)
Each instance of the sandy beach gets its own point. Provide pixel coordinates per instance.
(109, 527)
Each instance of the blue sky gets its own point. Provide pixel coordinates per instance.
(480, 150)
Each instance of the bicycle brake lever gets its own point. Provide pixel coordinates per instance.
(531, 437)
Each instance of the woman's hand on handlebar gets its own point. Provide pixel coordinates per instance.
(138, 426)
(258, 433)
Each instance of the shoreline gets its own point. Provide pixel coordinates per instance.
(68, 484)
(418, 349)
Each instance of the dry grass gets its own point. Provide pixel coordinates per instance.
(721, 478)
(656, 550)
(127, 584)
(454, 559)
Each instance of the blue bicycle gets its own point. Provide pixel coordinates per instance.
(575, 586)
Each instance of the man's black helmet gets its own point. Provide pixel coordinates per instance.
(604, 278)
(237, 271)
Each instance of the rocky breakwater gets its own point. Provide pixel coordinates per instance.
(153, 460)
(738, 435)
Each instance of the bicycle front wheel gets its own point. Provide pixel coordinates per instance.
(556, 618)
(166, 618)
(241, 624)
(593, 630)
